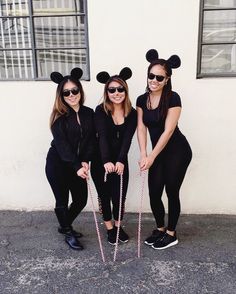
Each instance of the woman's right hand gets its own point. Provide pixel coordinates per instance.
(109, 167)
(142, 162)
(146, 162)
(83, 173)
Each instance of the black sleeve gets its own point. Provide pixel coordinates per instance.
(174, 100)
(101, 124)
(90, 139)
(140, 101)
(62, 145)
(128, 135)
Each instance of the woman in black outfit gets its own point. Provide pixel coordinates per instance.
(71, 150)
(159, 111)
(115, 122)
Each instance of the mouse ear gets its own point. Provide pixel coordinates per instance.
(125, 73)
(76, 73)
(174, 61)
(56, 77)
(103, 77)
(152, 55)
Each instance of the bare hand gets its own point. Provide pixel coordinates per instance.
(146, 162)
(119, 168)
(83, 173)
(109, 167)
(85, 165)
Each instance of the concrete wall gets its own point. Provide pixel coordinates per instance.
(120, 33)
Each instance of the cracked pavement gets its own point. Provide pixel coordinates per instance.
(35, 259)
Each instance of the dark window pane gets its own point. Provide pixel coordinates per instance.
(68, 31)
(219, 26)
(62, 61)
(218, 59)
(14, 8)
(16, 64)
(15, 33)
(219, 3)
(45, 7)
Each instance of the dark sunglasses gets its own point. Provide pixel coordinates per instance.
(112, 90)
(151, 76)
(73, 91)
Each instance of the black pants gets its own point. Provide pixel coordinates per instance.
(168, 171)
(109, 191)
(63, 179)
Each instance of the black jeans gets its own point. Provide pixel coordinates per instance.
(168, 171)
(63, 179)
(109, 191)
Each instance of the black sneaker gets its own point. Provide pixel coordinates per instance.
(123, 236)
(111, 236)
(165, 242)
(155, 236)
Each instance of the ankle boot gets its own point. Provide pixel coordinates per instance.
(63, 231)
(66, 228)
(72, 241)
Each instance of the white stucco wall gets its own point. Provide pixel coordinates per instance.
(120, 33)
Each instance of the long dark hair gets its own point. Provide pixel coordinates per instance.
(167, 89)
(60, 107)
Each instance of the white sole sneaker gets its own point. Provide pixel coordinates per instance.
(167, 246)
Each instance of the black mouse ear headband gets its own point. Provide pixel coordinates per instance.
(125, 74)
(57, 77)
(152, 55)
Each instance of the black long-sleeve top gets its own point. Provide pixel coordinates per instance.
(114, 140)
(74, 141)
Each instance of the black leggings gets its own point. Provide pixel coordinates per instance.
(63, 180)
(168, 170)
(109, 191)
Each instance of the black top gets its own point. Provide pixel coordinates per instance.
(153, 121)
(114, 140)
(74, 142)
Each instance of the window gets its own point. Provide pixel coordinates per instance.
(41, 36)
(217, 39)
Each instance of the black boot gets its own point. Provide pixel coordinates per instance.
(75, 233)
(64, 219)
(73, 212)
(72, 241)
(70, 238)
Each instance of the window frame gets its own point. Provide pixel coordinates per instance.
(201, 43)
(34, 49)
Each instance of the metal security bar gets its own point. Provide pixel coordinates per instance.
(41, 36)
(217, 39)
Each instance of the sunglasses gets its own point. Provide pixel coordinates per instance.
(151, 76)
(73, 91)
(112, 90)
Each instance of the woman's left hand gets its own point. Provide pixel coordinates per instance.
(119, 168)
(85, 165)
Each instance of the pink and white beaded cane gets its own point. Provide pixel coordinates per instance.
(143, 175)
(95, 220)
(119, 216)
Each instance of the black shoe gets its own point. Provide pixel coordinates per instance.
(64, 231)
(155, 236)
(123, 236)
(165, 242)
(73, 242)
(111, 236)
